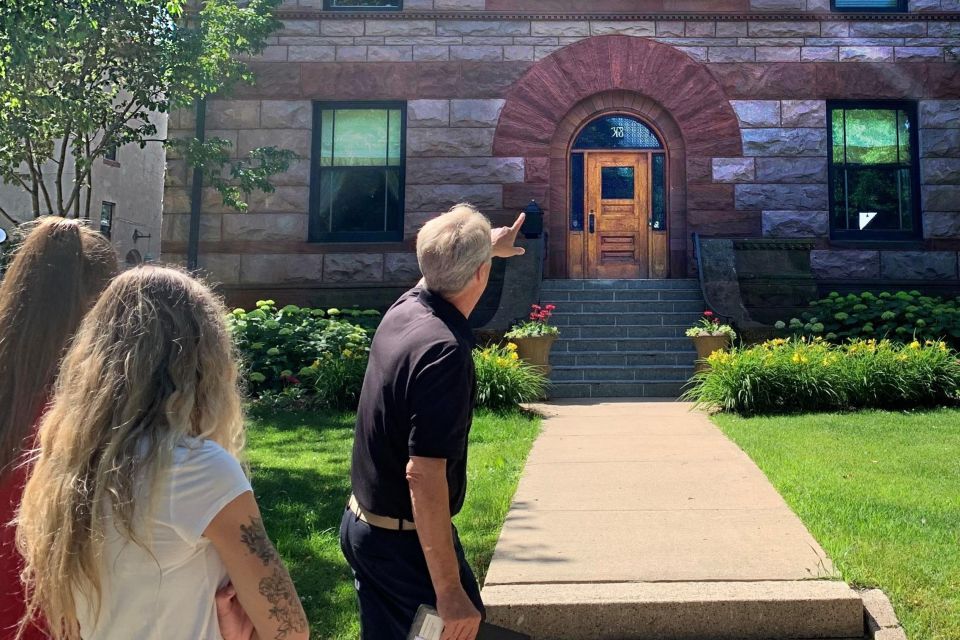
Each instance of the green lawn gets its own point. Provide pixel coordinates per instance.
(881, 492)
(300, 467)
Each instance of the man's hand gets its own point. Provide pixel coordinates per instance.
(235, 624)
(461, 620)
(505, 237)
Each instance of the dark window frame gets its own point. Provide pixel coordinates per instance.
(113, 212)
(328, 6)
(902, 7)
(851, 236)
(314, 233)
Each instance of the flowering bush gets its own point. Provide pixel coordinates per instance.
(902, 316)
(787, 375)
(303, 356)
(536, 325)
(503, 380)
(709, 325)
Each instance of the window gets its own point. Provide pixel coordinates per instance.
(106, 217)
(110, 153)
(358, 172)
(874, 183)
(362, 5)
(868, 5)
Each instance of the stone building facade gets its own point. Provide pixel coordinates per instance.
(784, 120)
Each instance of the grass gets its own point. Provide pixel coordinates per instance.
(300, 470)
(880, 491)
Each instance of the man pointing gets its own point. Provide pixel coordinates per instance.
(410, 451)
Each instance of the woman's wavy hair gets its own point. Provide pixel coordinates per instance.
(53, 279)
(152, 364)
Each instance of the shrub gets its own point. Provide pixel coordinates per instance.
(901, 316)
(503, 380)
(301, 355)
(784, 375)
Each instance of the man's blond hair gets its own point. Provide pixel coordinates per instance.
(452, 246)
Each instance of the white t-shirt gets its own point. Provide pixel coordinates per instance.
(168, 594)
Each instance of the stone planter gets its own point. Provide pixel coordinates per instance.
(706, 345)
(535, 351)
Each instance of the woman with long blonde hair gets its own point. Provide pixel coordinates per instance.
(52, 281)
(137, 509)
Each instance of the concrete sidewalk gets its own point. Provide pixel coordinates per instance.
(642, 520)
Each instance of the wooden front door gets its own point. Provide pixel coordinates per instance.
(617, 196)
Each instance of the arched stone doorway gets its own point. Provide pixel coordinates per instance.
(670, 92)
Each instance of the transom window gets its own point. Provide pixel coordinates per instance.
(868, 5)
(618, 132)
(368, 5)
(358, 172)
(874, 184)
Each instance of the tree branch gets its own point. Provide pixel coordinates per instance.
(3, 212)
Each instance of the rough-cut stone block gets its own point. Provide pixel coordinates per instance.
(220, 268)
(311, 53)
(924, 5)
(281, 200)
(352, 53)
(539, 53)
(211, 201)
(560, 28)
(919, 54)
(176, 200)
(450, 142)
(401, 268)
(286, 114)
(729, 30)
(392, 53)
(642, 29)
(939, 143)
(697, 53)
(733, 170)
(269, 268)
(757, 113)
(918, 265)
(844, 265)
(778, 54)
(478, 53)
(300, 28)
(265, 226)
(951, 54)
(296, 140)
(835, 29)
(777, 5)
(936, 224)
(795, 224)
(298, 175)
(353, 267)
(792, 170)
(459, 5)
(805, 197)
(700, 29)
(341, 28)
(428, 113)
(940, 114)
(941, 197)
(784, 29)
(820, 54)
(475, 113)
(887, 29)
(423, 197)
(233, 114)
(784, 142)
(464, 170)
(731, 54)
(431, 53)
(803, 113)
(866, 54)
(175, 227)
(518, 52)
(671, 28)
(401, 28)
(940, 171)
(822, 6)
(943, 29)
(483, 28)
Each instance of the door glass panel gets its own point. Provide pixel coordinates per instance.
(616, 183)
(658, 219)
(576, 191)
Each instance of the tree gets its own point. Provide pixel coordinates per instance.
(80, 77)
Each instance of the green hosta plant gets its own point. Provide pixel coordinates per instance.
(536, 325)
(503, 379)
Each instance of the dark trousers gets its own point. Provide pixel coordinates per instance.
(391, 577)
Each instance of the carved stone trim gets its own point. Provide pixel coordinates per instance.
(309, 14)
(773, 245)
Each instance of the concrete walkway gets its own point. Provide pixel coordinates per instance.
(642, 520)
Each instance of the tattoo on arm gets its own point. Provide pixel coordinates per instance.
(277, 588)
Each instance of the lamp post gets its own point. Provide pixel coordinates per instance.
(533, 225)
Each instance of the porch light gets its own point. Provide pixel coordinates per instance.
(533, 225)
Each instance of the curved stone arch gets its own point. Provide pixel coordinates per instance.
(661, 85)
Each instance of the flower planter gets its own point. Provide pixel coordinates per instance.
(535, 351)
(706, 345)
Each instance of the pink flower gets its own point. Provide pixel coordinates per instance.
(708, 313)
(550, 307)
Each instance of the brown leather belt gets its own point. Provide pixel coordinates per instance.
(381, 522)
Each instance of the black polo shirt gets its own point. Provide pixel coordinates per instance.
(417, 400)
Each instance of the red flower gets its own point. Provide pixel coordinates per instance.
(550, 307)
(708, 313)
(535, 307)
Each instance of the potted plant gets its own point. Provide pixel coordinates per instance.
(534, 337)
(709, 335)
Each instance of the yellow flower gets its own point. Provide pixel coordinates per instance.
(347, 353)
(914, 345)
(513, 355)
(929, 343)
(901, 358)
(942, 346)
(511, 346)
(799, 358)
(502, 362)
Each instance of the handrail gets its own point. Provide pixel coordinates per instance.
(703, 288)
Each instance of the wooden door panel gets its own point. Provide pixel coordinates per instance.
(616, 241)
